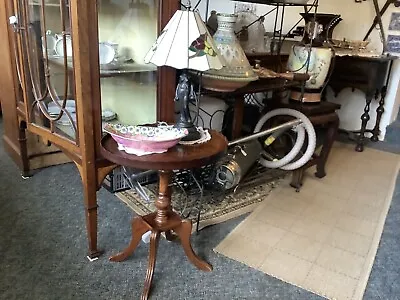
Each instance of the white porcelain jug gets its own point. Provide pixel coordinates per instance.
(59, 45)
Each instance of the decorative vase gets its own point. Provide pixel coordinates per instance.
(316, 62)
(312, 57)
(252, 32)
(237, 72)
(319, 30)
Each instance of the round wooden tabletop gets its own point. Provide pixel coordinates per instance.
(178, 157)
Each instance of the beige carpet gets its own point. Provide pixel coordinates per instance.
(323, 239)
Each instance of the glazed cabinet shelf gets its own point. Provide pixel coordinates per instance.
(280, 3)
(122, 70)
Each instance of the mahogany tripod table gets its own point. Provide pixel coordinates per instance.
(164, 219)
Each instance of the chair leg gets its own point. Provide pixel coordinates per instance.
(326, 148)
(297, 179)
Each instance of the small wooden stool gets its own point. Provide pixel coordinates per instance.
(324, 114)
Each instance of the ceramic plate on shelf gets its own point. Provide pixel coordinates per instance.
(106, 53)
(66, 121)
(54, 109)
(108, 115)
(50, 43)
(59, 47)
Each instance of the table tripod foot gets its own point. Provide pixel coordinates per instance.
(154, 238)
(139, 227)
(184, 231)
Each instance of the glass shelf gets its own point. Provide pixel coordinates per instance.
(273, 3)
(127, 30)
(124, 69)
(127, 69)
(45, 4)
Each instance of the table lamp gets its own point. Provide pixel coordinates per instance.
(185, 44)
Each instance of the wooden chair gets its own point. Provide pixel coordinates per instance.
(321, 114)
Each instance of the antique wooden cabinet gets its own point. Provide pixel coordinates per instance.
(70, 65)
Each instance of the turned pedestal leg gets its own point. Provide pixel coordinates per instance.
(162, 220)
(379, 112)
(364, 121)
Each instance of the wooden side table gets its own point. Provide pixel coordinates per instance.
(258, 86)
(164, 219)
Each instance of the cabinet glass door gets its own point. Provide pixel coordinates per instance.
(127, 30)
(48, 66)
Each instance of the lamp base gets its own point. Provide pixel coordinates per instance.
(193, 134)
(184, 95)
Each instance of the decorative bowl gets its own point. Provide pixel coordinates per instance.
(220, 83)
(140, 140)
(350, 44)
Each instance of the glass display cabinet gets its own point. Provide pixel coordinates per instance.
(72, 65)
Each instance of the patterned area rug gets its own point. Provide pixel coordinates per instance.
(215, 206)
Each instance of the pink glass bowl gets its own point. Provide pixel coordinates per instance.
(145, 139)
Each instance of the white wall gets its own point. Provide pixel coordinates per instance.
(357, 18)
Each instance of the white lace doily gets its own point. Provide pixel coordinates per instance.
(138, 152)
(205, 136)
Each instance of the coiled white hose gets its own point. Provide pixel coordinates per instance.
(286, 162)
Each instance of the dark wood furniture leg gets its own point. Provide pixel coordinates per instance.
(379, 112)
(297, 179)
(238, 112)
(90, 201)
(332, 122)
(22, 140)
(163, 220)
(364, 121)
(326, 147)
